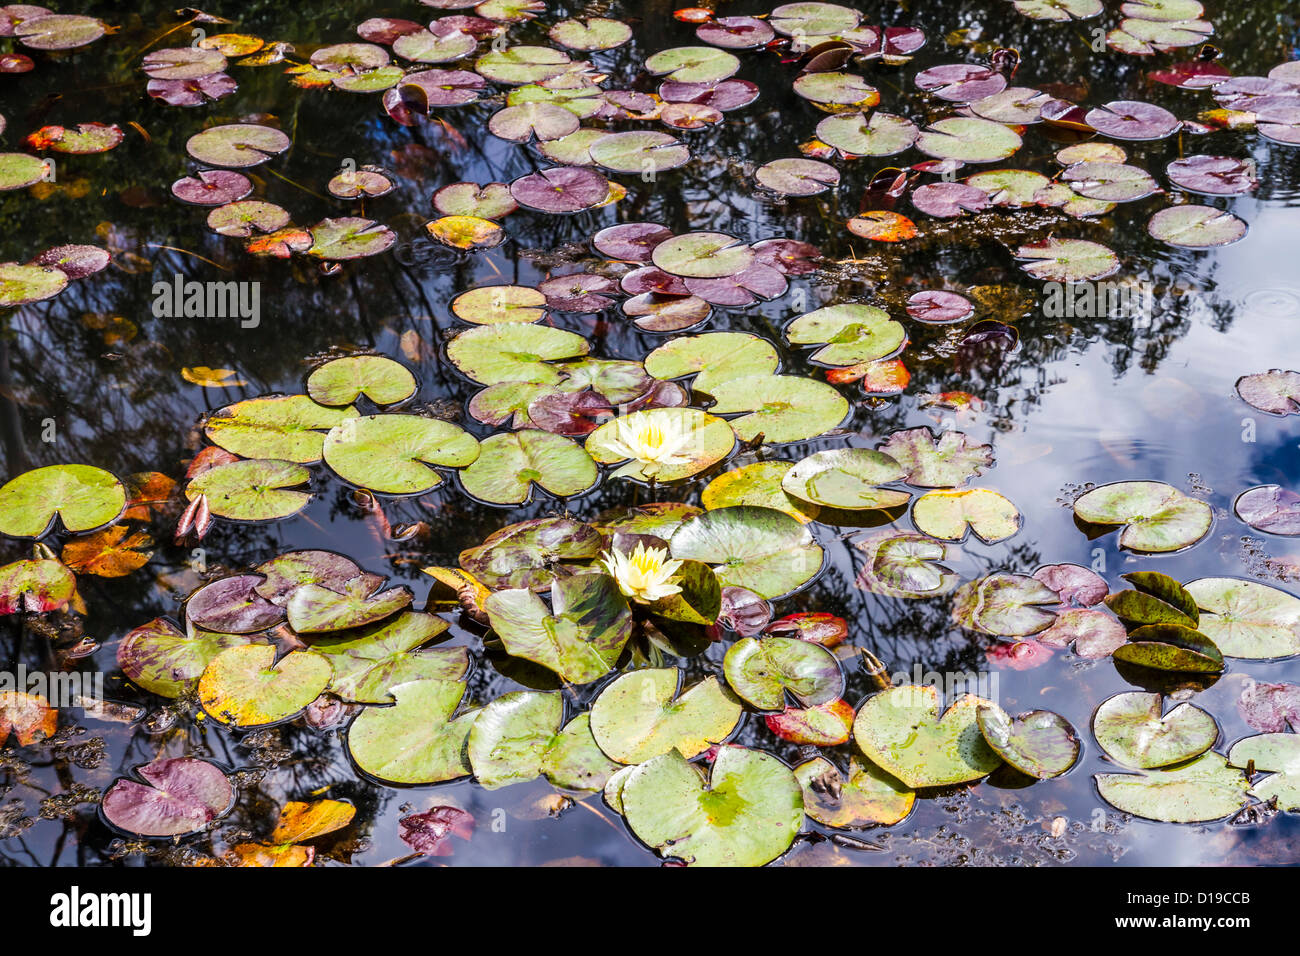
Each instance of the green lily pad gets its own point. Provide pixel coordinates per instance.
(641, 715)
(590, 33)
(761, 671)
(747, 813)
(518, 737)
(867, 797)
(782, 408)
(1170, 647)
(1203, 790)
(1277, 755)
(167, 661)
(22, 284)
(237, 145)
(760, 549)
(247, 687)
(314, 609)
(81, 497)
(702, 255)
(1130, 728)
(349, 237)
(367, 663)
(948, 461)
(902, 731)
(693, 64)
(393, 454)
(494, 304)
(513, 352)
(510, 464)
(518, 65)
(252, 490)
(20, 170)
(758, 484)
(666, 444)
(1068, 260)
(853, 333)
(342, 381)
(905, 565)
(968, 139)
(846, 478)
(856, 134)
(1005, 605)
(1038, 743)
(532, 553)
(417, 740)
(580, 637)
(714, 358)
(951, 514)
(1157, 517)
(284, 427)
(1246, 618)
(1155, 599)
(638, 151)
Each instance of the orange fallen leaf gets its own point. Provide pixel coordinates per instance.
(111, 553)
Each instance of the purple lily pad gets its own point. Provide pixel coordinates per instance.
(938, 307)
(560, 189)
(212, 187)
(744, 612)
(384, 30)
(430, 833)
(1275, 391)
(789, 256)
(1093, 633)
(630, 241)
(723, 96)
(949, 200)
(179, 796)
(1253, 94)
(652, 279)
(735, 33)
(961, 82)
(1271, 509)
(1074, 584)
(192, 92)
(579, 292)
(74, 261)
(1212, 175)
(666, 313)
(1132, 120)
(233, 606)
(570, 413)
(1270, 708)
(1192, 75)
(182, 63)
(432, 88)
(757, 282)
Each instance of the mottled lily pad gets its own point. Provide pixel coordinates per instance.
(247, 687)
(313, 608)
(847, 478)
(178, 796)
(762, 671)
(948, 461)
(1038, 743)
(580, 637)
(866, 796)
(747, 813)
(367, 663)
(237, 145)
(1068, 260)
(766, 551)
(1156, 517)
(1005, 605)
(531, 553)
(1275, 391)
(641, 715)
(902, 730)
(1196, 227)
(1134, 731)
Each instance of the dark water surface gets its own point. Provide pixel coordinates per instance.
(1083, 400)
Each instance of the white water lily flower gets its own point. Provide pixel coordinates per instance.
(651, 442)
(645, 575)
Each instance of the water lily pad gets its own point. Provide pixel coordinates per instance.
(766, 551)
(492, 201)
(1278, 756)
(247, 687)
(1275, 391)
(509, 465)
(905, 565)
(1110, 182)
(1171, 647)
(747, 813)
(393, 454)
(702, 255)
(1156, 517)
(178, 796)
(735, 33)
(853, 332)
(757, 484)
(1247, 619)
(813, 19)
(416, 741)
(797, 177)
(369, 181)
(1132, 120)
(693, 439)
(1134, 731)
(1203, 790)
(237, 145)
(866, 796)
(582, 635)
(232, 605)
(81, 497)
(641, 715)
(762, 671)
(242, 219)
(949, 200)
(781, 408)
(693, 64)
(349, 237)
(513, 352)
(968, 139)
(1196, 227)
(639, 151)
(1068, 260)
(285, 427)
(560, 189)
(951, 514)
(368, 663)
(1038, 743)
(846, 478)
(590, 33)
(342, 381)
(36, 586)
(19, 170)
(531, 553)
(1212, 175)
(252, 490)
(82, 139)
(856, 134)
(901, 730)
(1005, 605)
(948, 461)
(164, 660)
(714, 358)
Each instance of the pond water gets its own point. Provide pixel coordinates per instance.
(1076, 401)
